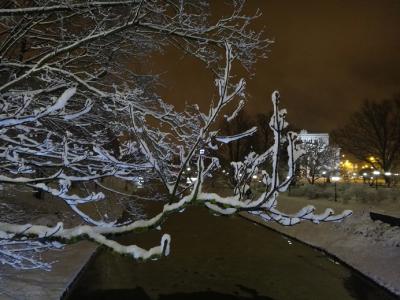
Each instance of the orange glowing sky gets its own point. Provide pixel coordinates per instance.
(328, 57)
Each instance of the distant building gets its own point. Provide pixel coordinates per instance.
(322, 138)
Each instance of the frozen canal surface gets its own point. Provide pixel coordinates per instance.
(222, 258)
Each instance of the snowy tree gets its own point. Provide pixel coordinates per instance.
(319, 160)
(154, 143)
(67, 92)
(86, 51)
(94, 44)
(68, 84)
(372, 134)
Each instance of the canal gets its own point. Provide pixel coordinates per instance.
(221, 258)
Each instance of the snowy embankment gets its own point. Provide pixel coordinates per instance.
(36, 281)
(39, 284)
(371, 247)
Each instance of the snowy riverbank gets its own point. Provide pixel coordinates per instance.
(20, 206)
(371, 247)
(39, 284)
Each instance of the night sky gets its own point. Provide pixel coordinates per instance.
(328, 57)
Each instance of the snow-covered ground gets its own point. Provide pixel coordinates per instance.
(372, 247)
(376, 232)
(360, 223)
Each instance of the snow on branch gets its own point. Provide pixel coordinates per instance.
(176, 154)
(24, 254)
(231, 138)
(63, 7)
(58, 52)
(49, 110)
(20, 252)
(49, 142)
(101, 125)
(265, 205)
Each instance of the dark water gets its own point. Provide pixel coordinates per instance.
(221, 258)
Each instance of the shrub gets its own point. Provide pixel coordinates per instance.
(312, 191)
(346, 192)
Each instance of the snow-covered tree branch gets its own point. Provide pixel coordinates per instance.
(73, 111)
(67, 85)
(89, 42)
(48, 47)
(171, 152)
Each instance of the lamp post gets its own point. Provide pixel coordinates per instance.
(376, 174)
(335, 179)
(388, 179)
(324, 175)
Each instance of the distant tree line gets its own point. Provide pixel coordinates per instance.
(372, 135)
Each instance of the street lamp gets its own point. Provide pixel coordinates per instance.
(376, 174)
(335, 179)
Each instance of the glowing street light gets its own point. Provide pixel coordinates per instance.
(335, 179)
(376, 174)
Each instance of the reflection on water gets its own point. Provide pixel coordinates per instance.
(221, 258)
